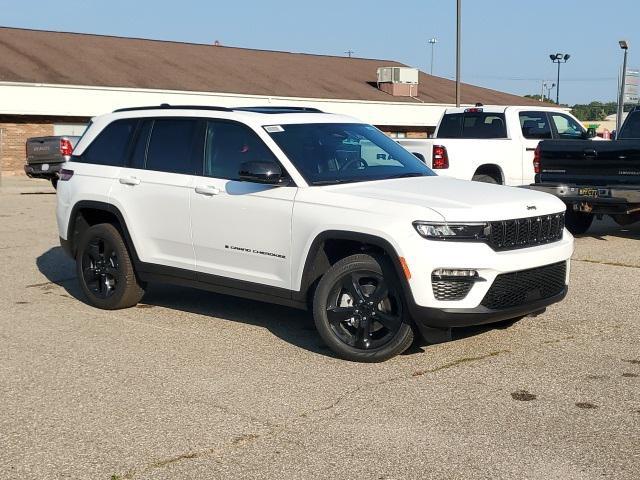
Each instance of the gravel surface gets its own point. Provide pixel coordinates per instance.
(191, 384)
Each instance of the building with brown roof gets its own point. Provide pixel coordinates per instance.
(54, 82)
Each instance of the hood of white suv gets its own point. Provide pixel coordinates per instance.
(457, 200)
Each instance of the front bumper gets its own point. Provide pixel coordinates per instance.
(607, 195)
(429, 317)
(34, 170)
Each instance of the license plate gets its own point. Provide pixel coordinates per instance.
(588, 192)
(44, 167)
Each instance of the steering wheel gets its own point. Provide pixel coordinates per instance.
(359, 161)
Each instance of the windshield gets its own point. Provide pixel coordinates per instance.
(328, 153)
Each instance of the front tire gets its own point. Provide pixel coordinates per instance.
(578, 222)
(105, 270)
(359, 310)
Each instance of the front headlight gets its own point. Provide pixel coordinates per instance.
(452, 231)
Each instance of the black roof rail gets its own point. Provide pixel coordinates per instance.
(274, 109)
(166, 106)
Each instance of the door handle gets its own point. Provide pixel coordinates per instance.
(208, 190)
(130, 181)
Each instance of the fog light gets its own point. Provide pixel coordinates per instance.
(455, 273)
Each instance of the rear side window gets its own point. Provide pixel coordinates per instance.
(110, 146)
(228, 145)
(450, 126)
(473, 125)
(171, 145)
(631, 127)
(535, 125)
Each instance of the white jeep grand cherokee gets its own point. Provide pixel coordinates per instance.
(305, 209)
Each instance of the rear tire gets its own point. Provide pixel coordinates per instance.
(485, 179)
(578, 222)
(105, 270)
(360, 312)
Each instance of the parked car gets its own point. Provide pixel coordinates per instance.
(594, 178)
(306, 209)
(493, 144)
(47, 155)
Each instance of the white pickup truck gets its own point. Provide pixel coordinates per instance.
(493, 144)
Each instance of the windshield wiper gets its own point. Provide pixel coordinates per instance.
(407, 175)
(333, 181)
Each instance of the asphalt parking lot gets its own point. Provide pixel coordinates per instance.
(195, 385)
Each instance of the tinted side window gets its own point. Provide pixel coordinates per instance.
(535, 125)
(450, 126)
(110, 146)
(228, 145)
(631, 127)
(171, 145)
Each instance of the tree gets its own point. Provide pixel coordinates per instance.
(538, 97)
(597, 111)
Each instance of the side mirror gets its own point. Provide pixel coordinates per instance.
(591, 132)
(419, 156)
(261, 172)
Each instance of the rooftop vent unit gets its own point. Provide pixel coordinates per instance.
(398, 81)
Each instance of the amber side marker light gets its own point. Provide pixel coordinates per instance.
(405, 268)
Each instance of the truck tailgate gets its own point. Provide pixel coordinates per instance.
(47, 149)
(589, 163)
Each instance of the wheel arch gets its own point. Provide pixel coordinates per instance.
(330, 246)
(87, 213)
(492, 170)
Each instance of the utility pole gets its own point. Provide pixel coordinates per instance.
(623, 79)
(349, 53)
(432, 42)
(458, 33)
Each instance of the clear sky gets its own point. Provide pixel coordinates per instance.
(506, 43)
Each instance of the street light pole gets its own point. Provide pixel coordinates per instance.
(432, 42)
(458, 25)
(559, 58)
(624, 46)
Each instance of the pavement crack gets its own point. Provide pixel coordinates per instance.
(460, 361)
(237, 442)
(602, 262)
(417, 373)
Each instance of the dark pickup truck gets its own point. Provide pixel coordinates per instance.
(47, 155)
(593, 178)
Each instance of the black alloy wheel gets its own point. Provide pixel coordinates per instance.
(105, 270)
(100, 267)
(359, 310)
(363, 312)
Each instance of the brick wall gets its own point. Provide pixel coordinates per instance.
(15, 131)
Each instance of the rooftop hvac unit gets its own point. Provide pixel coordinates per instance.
(398, 75)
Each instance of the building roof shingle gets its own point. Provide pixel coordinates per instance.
(36, 56)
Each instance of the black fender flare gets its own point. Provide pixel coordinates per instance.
(310, 274)
(105, 207)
